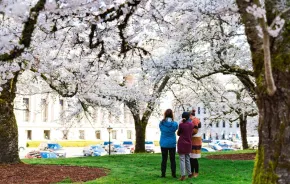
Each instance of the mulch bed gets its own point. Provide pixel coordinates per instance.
(44, 174)
(240, 156)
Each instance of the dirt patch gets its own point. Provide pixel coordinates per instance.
(44, 174)
(239, 156)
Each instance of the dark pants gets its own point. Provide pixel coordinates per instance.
(164, 152)
(194, 165)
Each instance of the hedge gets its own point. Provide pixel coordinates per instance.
(65, 143)
(72, 143)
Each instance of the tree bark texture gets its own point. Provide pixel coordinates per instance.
(8, 126)
(243, 130)
(140, 129)
(272, 163)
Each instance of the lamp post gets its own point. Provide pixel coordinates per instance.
(109, 130)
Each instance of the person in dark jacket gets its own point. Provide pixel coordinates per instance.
(167, 142)
(184, 145)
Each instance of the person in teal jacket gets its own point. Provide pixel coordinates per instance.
(167, 142)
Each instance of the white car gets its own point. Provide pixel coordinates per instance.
(207, 149)
(94, 150)
(238, 144)
(106, 144)
(53, 147)
(223, 143)
(149, 147)
(120, 149)
(253, 142)
(129, 145)
(215, 147)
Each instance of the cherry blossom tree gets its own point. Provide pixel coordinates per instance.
(26, 25)
(267, 30)
(233, 103)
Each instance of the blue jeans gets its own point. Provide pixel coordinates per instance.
(184, 164)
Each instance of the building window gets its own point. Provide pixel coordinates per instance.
(26, 109)
(29, 134)
(204, 137)
(65, 134)
(210, 124)
(204, 110)
(129, 134)
(114, 134)
(46, 134)
(224, 124)
(205, 125)
(61, 106)
(238, 125)
(198, 110)
(231, 125)
(44, 110)
(217, 124)
(82, 134)
(98, 134)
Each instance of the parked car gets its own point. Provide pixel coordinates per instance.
(206, 140)
(228, 149)
(253, 142)
(33, 154)
(48, 154)
(225, 143)
(105, 145)
(53, 147)
(207, 149)
(215, 147)
(94, 150)
(129, 145)
(120, 149)
(238, 144)
(149, 147)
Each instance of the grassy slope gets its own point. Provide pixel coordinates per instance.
(145, 168)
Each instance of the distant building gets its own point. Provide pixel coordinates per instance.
(40, 117)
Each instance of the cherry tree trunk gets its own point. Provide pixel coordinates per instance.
(140, 129)
(272, 163)
(8, 126)
(243, 130)
(273, 158)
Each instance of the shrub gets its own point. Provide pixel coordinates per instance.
(66, 143)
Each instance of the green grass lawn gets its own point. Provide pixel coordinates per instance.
(145, 168)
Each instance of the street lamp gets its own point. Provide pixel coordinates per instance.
(109, 130)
